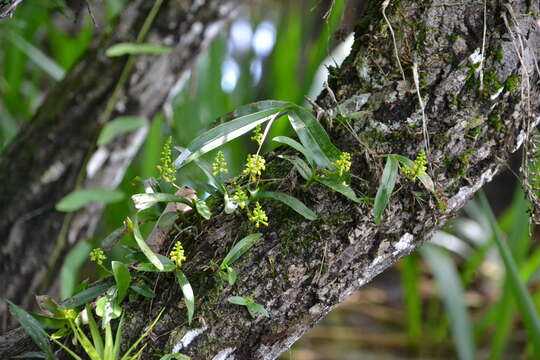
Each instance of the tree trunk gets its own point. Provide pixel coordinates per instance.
(55, 152)
(302, 270)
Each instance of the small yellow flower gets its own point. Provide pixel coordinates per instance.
(219, 165)
(177, 254)
(240, 197)
(255, 165)
(167, 170)
(97, 255)
(257, 135)
(258, 216)
(343, 164)
(419, 168)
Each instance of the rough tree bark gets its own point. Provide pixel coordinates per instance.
(55, 153)
(302, 270)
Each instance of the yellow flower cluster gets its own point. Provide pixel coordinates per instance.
(257, 135)
(258, 216)
(219, 165)
(177, 254)
(166, 169)
(255, 166)
(343, 164)
(97, 255)
(240, 197)
(419, 168)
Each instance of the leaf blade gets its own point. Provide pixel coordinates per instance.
(388, 181)
(290, 201)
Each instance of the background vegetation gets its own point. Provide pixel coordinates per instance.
(455, 298)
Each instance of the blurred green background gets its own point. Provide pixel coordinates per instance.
(453, 299)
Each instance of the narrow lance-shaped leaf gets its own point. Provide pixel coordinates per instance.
(303, 169)
(335, 184)
(388, 181)
(84, 296)
(80, 198)
(308, 154)
(122, 49)
(147, 200)
(237, 300)
(189, 297)
(290, 201)
(239, 249)
(144, 247)
(32, 328)
(224, 133)
(313, 136)
(118, 127)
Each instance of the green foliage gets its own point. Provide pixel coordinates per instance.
(187, 291)
(118, 127)
(388, 181)
(137, 49)
(32, 328)
(252, 307)
(80, 198)
(225, 271)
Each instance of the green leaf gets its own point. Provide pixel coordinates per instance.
(148, 267)
(189, 298)
(232, 275)
(118, 339)
(453, 296)
(84, 296)
(228, 131)
(167, 220)
(108, 243)
(424, 179)
(80, 198)
(143, 290)
(303, 169)
(84, 341)
(337, 185)
(176, 356)
(237, 300)
(145, 201)
(32, 328)
(118, 127)
(290, 201)
(524, 302)
(144, 247)
(122, 49)
(239, 249)
(298, 147)
(388, 181)
(313, 136)
(122, 278)
(254, 309)
(202, 208)
(94, 330)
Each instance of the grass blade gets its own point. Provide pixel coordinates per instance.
(122, 49)
(451, 289)
(388, 181)
(524, 302)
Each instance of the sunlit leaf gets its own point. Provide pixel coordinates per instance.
(254, 309)
(118, 127)
(237, 300)
(290, 201)
(336, 184)
(388, 181)
(226, 132)
(137, 49)
(189, 297)
(147, 200)
(80, 198)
